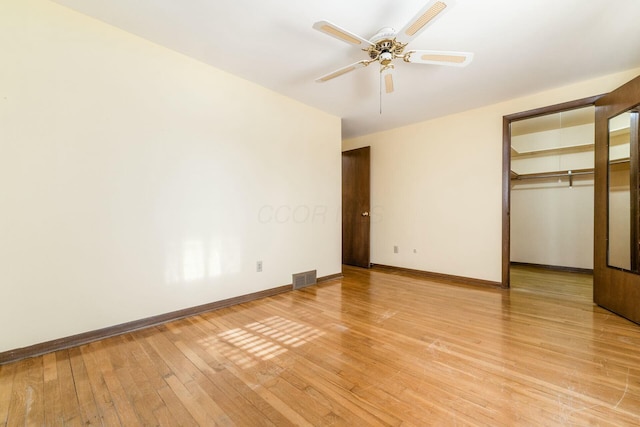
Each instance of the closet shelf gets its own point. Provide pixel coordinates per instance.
(587, 145)
(554, 150)
(559, 174)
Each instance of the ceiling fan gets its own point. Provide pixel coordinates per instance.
(388, 45)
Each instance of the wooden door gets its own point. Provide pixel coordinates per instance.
(614, 288)
(356, 220)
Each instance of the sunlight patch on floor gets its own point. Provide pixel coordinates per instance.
(263, 340)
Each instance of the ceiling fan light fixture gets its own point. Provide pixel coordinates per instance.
(386, 58)
(425, 18)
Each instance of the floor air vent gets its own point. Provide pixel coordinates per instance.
(301, 280)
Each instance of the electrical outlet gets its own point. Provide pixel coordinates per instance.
(259, 266)
(395, 249)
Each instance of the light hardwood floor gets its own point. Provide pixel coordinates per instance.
(373, 348)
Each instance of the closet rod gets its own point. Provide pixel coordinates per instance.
(560, 174)
(557, 174)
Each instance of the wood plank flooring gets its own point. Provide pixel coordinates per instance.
(373, 348)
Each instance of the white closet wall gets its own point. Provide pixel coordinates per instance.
(552, 218)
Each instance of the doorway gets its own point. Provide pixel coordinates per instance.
(547, 163)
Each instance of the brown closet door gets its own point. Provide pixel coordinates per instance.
(355, 207)
(616, 289)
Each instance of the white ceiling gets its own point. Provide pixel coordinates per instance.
(520, 47)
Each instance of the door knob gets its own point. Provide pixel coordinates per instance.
(365, 213)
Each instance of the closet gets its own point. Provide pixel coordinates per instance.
(552, 189)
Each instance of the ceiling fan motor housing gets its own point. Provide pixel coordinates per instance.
(385, 33)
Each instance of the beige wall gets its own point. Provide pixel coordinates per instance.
(135, 181)
(436, 185)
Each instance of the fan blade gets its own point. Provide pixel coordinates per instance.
(341, 34)
(343, 70)
(439, 57)
(427, 14)
(386, 78)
